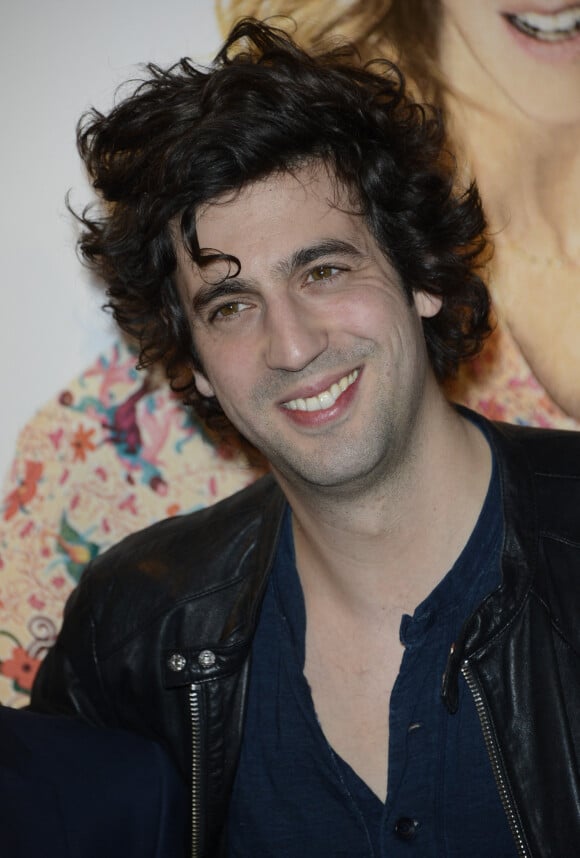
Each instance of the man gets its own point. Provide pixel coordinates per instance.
(285, 234)
(70, 790)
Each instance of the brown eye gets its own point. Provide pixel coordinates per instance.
(323, 272)
(229, 310)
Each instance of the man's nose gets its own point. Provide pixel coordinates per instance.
(295, 336)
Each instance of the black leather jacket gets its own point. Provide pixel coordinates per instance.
(157, 639)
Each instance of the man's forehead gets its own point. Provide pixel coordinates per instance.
(310, 183)
(315, 177)
(274, 217)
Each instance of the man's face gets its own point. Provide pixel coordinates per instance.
(312, 350)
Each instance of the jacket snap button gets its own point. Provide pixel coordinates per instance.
(406, 828)
(176, 662)
(206, 658)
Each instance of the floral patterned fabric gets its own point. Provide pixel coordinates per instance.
(111, 454)
(107, 456)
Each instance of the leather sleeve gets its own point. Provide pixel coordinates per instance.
(68, 681)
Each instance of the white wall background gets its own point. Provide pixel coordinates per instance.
(58, 58)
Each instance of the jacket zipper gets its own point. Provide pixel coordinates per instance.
(194, 714)
(496, 766)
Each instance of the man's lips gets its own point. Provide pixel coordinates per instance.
(325, 399)
(546, 26)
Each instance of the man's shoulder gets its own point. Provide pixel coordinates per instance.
(190, 555)
(543, 467)
(550, 452)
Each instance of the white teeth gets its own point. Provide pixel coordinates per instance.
(548, 28)
(326, 398)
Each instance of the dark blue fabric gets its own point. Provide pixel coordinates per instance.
(69, 790)
(293, 796)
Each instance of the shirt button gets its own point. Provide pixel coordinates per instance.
(406, 828)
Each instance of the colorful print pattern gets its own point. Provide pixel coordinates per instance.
(109, 455)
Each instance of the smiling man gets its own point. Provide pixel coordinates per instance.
(286, 234)
(313, 349)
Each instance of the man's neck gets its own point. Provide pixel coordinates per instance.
(384, 550)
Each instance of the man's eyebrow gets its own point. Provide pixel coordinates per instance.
(326, 247)
(210, 292)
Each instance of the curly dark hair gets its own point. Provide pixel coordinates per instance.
(188, 135)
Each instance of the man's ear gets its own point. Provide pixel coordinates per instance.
(426, 304)
(202, 384)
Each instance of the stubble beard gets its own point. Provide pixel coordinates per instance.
(334, 462)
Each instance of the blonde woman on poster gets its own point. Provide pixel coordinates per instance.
(508, 80)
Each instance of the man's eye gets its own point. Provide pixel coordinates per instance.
(323, 272)
(232, 308)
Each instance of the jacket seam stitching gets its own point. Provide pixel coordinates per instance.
(556, 537)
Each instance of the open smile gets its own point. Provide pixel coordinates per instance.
(547, 27)
(326, 398)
